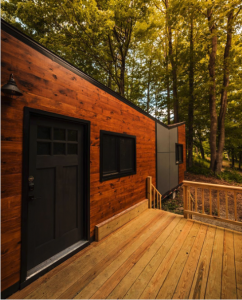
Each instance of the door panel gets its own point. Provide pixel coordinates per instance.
(55, 207)
(45, 206)
(69, 205)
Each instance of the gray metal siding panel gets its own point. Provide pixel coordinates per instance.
(173, 171)
(173, 139)
(167, 170)
(163, 137)
(163, 180)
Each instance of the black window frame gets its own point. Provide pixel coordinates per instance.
(178, 162)
(119, 174)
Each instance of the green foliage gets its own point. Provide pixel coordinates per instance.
(230, 175)
(108, 38)
(201, 167)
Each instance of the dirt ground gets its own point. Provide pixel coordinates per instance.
(176, 205)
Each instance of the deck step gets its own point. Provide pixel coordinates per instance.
(110, 225)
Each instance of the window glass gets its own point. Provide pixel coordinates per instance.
(110, 162)
(72, 135)
(126, 154)
(59, 134)
(179, 153)
(43, 132)
(43, 148)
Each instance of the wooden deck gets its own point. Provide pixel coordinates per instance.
(156, 255)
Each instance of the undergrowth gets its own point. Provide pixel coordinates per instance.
(201, 167)
(230, 176)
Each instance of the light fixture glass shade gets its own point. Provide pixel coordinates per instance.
(11, 88)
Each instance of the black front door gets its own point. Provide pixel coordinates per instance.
(55, 197)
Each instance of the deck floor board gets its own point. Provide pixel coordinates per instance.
(156, 255)
(200, 279)
(214, 284)
(183, 287)
(125, 284)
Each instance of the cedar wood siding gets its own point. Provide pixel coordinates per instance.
(48, 86)
(182, 140)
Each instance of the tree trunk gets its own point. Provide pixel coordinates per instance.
(232, 158)
(240, 160)
(132, 79)
(173, 65)
(199, 134)
(201, 148)
(122, 74)
(123, 36)
(168, 91)
(174, 78)
(148, 87)
(191, 99)
(224, 94)
(109, 75)
(212, 88)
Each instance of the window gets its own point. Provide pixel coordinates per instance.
(179, 154)
(117, 155)
(56, 141)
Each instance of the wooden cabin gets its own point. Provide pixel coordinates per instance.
(74, 154)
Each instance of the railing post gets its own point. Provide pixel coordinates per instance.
(149, 191)
(190, 202)
(185, 200)
(235, 206)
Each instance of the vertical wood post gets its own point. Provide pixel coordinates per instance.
(235, 206)
(227, 208)
(156, 202)
(210, 202)
(191, 202)
(196, 199)
(203, 211)
(149, 195)
(185, 200)
(218, 202)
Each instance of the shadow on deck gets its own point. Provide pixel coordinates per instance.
(156, 255)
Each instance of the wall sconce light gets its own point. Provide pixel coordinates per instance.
(11, 88)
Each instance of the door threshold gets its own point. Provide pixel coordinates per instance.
(54, 261)
(45, 264)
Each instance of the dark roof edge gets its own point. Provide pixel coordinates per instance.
(54, 57)
(175, 125)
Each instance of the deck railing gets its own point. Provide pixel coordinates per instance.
(195, 206)
(153, 195)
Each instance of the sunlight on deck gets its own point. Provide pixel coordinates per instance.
(157, 255)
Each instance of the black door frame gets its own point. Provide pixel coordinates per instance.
(28, 113)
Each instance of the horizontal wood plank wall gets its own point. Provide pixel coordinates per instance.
(182, 140)
(50, 87)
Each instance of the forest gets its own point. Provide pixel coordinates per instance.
(179, 60)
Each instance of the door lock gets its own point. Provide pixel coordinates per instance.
(31, 183)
